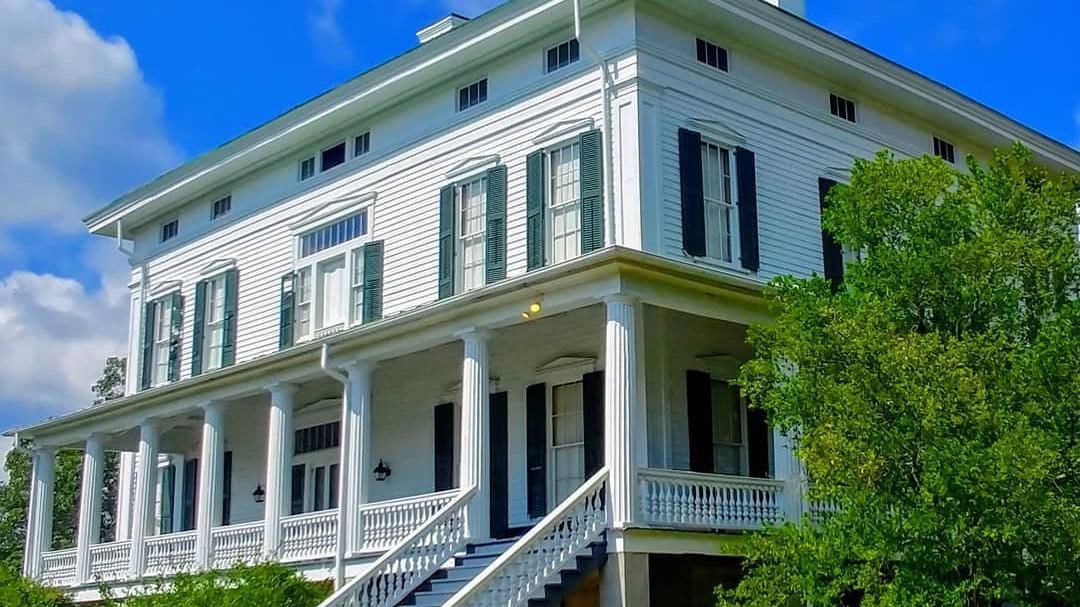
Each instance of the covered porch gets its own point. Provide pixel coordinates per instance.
(309, 467)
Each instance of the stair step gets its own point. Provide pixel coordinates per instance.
(495, 547)
(431, 599)
(461, 572)
(475, 560)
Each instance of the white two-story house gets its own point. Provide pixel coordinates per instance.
(462, 331)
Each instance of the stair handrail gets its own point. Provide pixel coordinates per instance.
(364, 590)
(482, 590)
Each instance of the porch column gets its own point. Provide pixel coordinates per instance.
(142, 515)
(125, 488)
(89, 531)
(40, 517)
(211, 478)
(475, 464)
(620, 408)
(789, 470)
(356, 449)
(279, 450)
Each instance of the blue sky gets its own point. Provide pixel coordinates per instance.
(97, 96)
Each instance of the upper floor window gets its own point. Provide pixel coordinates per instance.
(564, 202)
(842, 107)
(220, 207)
(472, 95)
(161, 341)
(944, 150)
(362, 144)
(330, 278)
(471, 199)
(562, 55)
(170, 230)
(712, 55)
(214, 322)
(333, 156)
(720, 216)
(307, 168)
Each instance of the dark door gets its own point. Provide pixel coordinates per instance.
(500, 476)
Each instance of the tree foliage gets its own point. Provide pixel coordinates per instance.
(934, 397)
(264, 585)
(19, 592)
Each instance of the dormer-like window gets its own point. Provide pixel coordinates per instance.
(563, 55)
(944, 150)
(333, 156)
(712, 55)
(170, 230)
(221, 207)
(362, 144)
(329, 276)
(472, 95)
(307, 168)
(842, 107)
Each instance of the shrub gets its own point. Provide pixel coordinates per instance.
(17, 591)
(265, 585)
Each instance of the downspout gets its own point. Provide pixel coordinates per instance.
(343, 466)
(606, 85)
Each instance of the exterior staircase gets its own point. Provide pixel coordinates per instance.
(448, 580)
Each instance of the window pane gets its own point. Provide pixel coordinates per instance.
(332, 292)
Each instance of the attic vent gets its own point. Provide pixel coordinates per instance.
(440, 27)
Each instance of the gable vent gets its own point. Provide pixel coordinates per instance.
(440, 27)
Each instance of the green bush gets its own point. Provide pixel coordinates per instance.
(266, 585)
(17, 591)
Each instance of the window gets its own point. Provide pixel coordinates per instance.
(720, 217)
(944, 150)
(567, 439)
(170, 230)
(333, 156)
(471, 238)
(317, 438)
(315, 468)
(214, 317)
(712, 55)
(330, 276)
(729, 444)
(564, 202)
(472, 95)
(841, 107)
(563, 55)
(161, 341)
(361, 144)
(220, 207)
(307, 168)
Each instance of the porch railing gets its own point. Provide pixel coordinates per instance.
(543, 552)
(401, 570)
(385, 524)
(58, 568)
(309, 536)
(239, 544)
(675, 499)
(109, 562)
(170, 554)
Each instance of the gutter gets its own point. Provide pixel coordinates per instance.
(343, 465)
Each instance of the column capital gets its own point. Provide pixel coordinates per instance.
(89, 437)
(213, 406)
(358, 366)
(44, 450)
(620, 298)
(474, 333)
(150, 423)
(283, 389)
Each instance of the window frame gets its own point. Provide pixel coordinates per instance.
(163, 237)
(227, 206)
(942, 145)
(549, 197)
(216, 281)
(459, 239)
(744, 428)
(726, 64)
(552, 448)
(161, 341)
(486, 94)
(733, 203)
(352, 252)
(571, 58)
(344, 145)
(314, 167)
(553, 377)
(366, 135)
(840, 100)
(326, 459)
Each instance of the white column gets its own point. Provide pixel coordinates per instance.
(475, 464)
(211, 479)
(142, 514)
(125, 489)
(177, 461)
(39, 518)
(356, 448)
(789, 470)
(279, 450)
(620, 408)
(89, 531)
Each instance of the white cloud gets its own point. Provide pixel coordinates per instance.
(326, 30)
(78, 125)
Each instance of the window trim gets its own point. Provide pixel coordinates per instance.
(936, 143)
(727, 55)
(344, 155)
(561, 371)
(744, 427)
(841, 98)
(555, 47)
(312, 262)
(162, 306)
(206, 328)
(366, 133)
(736, 234)
(162, 238)
(214, 216)
(549, 192)
(477, 80)
(459, 250)
(300, 167)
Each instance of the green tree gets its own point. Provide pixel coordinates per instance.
(934, 396)
(264, 585)
(18, 592)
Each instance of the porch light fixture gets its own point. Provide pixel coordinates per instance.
(259, 494)
(382, 471)
(534, 310)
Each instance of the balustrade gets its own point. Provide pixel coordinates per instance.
(670, 498)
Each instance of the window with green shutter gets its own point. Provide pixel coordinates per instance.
(162, 325)
(472, 232)
(214, 329)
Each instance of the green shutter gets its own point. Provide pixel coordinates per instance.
(446, 242)
(176, 327)
(146, 378)
(198, 329)
(495, 234)
(373, 281)
(228, 342)
(287, 312)
(592, 195)
(534, 210)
